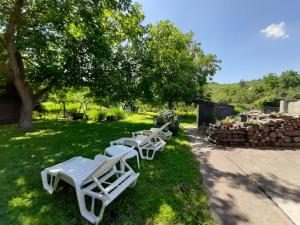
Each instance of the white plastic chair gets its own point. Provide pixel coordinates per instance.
(98, 180)
(163, 132)
(147, 145)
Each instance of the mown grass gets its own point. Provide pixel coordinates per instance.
(169, 189)
(188, 122)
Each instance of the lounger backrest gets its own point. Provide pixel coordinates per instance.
(105, 166)
(153, 135)
(165, 126)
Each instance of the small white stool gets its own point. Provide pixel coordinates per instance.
(119, 149)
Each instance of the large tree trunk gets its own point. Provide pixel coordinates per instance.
(25, 120)
(16, 67)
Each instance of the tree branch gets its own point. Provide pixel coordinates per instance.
(37, 96)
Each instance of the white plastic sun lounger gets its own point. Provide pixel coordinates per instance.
(147, 145)
(97, 182)
(162, 132)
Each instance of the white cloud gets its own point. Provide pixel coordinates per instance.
(275, 30)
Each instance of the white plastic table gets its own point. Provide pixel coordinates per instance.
(119, 149)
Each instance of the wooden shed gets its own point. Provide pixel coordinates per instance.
(208, 112)
(10, 105)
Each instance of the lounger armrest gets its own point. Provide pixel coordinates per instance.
(142, 132)
(156, 139)
(131, 143)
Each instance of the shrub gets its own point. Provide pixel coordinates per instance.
(101, 116)
(51, 107)
(168, 116)
(111, 118)
(186, 114)
(119, 113)
(96, 115)
(92, 114)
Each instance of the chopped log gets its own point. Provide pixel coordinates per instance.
(291, 144)
(296, 139)
(280, 134)
(293, 133)
(287, 139)
(273, 135)
(234, 140)
(276, 132)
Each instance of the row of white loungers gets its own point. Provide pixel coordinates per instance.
(99, 181)
(147, 142)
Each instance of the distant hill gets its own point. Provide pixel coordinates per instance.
(249, 94)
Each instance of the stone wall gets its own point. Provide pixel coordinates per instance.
(290, 107)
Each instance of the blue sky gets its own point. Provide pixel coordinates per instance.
(251, 37)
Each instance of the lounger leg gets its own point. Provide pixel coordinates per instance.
(89, 215)
(138, 161)
(50, 187)
(99, 218)
(150, 158)
(141, 153)
(132, 185)
(146, 155)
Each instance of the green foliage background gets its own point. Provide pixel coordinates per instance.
(249, 94)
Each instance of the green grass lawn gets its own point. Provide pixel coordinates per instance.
(188, 122)
(169, 189)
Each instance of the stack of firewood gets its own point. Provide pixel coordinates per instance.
(281, 131)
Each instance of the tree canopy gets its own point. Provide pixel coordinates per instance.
(175, 68)
(99, 44)
(59, 44)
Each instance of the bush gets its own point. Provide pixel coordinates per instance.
(96, 115)
(112, 118)
(51, 107)
(92, 114)
(101, 116)
(168, 116)
(186, 114)
(119, 113)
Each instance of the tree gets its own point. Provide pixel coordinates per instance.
(174, 66)
(271, 81)
(289, 79)
(46, 44)
(243, 84)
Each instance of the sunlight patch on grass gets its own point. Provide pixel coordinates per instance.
(20, 138)
(3, 146)
(43, 133)
(146, 118)
(51, 160)
(40, 133)
(188, 122)
(165, 216)
(24, 201)
(20, 181)
(27, 220)
(45, 209)
(181, 142)
(171, 148)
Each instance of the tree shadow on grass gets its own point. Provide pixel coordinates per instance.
(168, 190)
